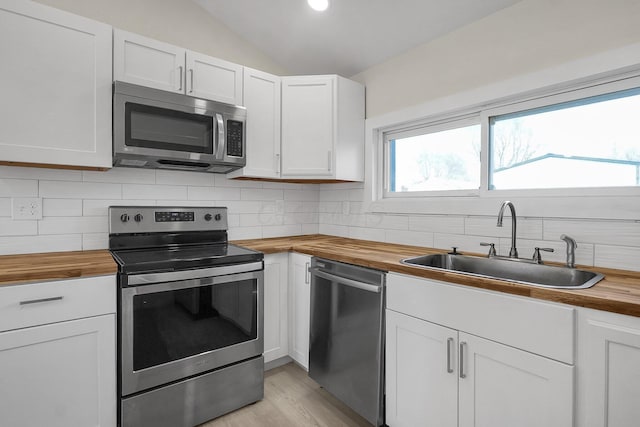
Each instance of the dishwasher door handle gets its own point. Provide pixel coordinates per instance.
(344, 281)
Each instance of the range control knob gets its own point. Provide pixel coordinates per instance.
(207, 217)
(218, 217)
(124, 217)
(138, 217)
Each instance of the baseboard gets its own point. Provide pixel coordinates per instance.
(277, 363)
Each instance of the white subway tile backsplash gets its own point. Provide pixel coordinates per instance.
(623, 257)
(301, 218)
(213, 193)
(437, 223)
(487, 226)
(149, 192)
(333, 229)
(415, 238)
(121, 176)
(301, 195)
(334, 195)
(101, 207)
(584, 251)
(240, 233)
(261, 194)
(617, 233)
(463, 242)
(40, 173)
(184, 178)
(37, 244)
(309, 228)
(91, 241)
(18, 187)
(61, 207)
(80, 190)
(71, 225)
(9, 227)
(260, 219)
(364, 233)
(281, 230)
(330, 207)
(240, 206)
(223, 181)
(5, 206)
(393, 222)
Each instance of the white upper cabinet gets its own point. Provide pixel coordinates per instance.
(148, 62)
(55, 106)
(262, 100)
(322, 128)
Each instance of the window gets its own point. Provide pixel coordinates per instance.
(589, 142)
(428, 158)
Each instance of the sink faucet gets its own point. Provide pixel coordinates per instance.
(513, 252)
(571, 250)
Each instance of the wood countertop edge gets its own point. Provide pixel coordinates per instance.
(618, 293)
(50, 266)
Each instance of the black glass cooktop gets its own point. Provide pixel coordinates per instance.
(149, 260)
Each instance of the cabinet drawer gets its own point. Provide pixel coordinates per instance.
(542, 328)
(47, 302)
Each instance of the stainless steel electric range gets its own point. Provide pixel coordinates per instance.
(190, 316)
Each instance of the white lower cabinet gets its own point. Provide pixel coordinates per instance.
(438, 375)
(62, 373)
(299, 308)
(608, 369)
(276, 284)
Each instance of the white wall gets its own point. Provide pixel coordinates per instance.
(75, 204)
(528, 36)
(179, 22)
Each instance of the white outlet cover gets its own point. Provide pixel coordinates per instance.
(26, 208)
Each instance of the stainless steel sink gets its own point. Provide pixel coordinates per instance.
(512, 270)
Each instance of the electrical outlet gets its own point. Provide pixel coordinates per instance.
(26, 208)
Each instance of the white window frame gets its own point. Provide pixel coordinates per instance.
(429, 128)
(582, 79)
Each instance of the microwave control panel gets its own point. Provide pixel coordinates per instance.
(234, 138)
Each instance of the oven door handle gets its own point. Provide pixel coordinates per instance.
(172, 276)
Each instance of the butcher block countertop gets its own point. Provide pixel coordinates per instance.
(17, 269)
(618, 292)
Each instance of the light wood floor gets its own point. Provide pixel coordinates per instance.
(291, 399)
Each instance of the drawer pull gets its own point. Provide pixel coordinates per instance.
(36, 301)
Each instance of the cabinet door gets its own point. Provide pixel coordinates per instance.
(147, 62)
(55, 106)
(609, 358)
(213, 78)
(275, 306)
(504, 386)
(59, 375)
(421, 373)
(262, 100)
(300, 310)
(308, 127)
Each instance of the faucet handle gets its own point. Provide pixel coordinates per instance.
(536, 254)
(492, 248)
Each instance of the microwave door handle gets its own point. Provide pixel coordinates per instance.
(221, 142)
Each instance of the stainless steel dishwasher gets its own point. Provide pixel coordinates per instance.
(346, 342)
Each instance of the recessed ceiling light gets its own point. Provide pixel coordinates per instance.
(318, 5)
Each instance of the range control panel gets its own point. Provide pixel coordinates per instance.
(157, 219)
(235, 138)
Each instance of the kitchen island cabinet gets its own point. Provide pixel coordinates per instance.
(58, 353)
(56, 103)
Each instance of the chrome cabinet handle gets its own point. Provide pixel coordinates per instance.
(37, 301)
(307, 272)
(463, 374)
(449, 354)
(180, 68)
(191, 71)
(277, 156)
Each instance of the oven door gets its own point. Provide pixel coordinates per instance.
(173, 330)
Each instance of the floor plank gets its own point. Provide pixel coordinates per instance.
(292, 399)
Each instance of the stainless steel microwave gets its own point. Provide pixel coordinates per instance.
(163, 130)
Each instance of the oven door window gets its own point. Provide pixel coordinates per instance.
(177, 324)
(164, 129)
